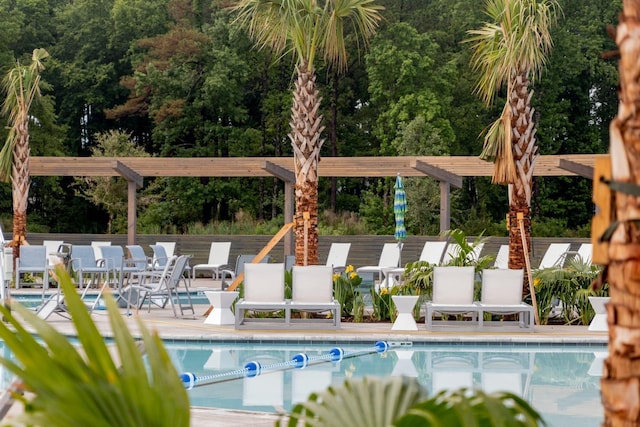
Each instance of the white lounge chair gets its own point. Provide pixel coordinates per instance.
(312, 291)
(433, 251)
(52, 247)
(453, 250)
(218, 259)
(452, 294)
(554, 256)
(502, 294)
(169, 247)
(502, 257)
(263, 291)
(96, 245)
(389, 258)
(337, 257)
(584, 253)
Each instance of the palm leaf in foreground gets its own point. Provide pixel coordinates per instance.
(403, 402)
(80, 386)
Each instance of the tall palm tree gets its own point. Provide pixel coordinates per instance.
(22, 87)
(620, 380)
(510, 50)
(309, 29)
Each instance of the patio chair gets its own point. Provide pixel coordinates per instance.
(139, 258)
(337, 256)
(227, 276)
(96, 245)
(218, 259)
(53, 250)
(452, 295)
(554, 256)
(502, 294)
(120, 267)
(389, 258)
(154, 285)
(312, 292)
(83, 263)
(433, 251)
(169, 247)
(502, 257)
(32, 260)
(263, 292)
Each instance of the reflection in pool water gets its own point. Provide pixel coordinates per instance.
(562, 383)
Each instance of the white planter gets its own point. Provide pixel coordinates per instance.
(599, 322)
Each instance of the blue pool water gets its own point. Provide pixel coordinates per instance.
(562, 383)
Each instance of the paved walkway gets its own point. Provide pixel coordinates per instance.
(193, 328)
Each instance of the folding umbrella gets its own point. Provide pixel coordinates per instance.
(399, 209)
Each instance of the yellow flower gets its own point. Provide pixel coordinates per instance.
(384, 291)
(353, 275)
(335, 276)
(536, 282)
(348, 269)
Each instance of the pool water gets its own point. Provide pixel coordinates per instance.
(35, 300)
(562, 383)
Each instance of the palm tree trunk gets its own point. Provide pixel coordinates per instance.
(20, 183)
(305, 138)
(620, 382)
(525, 153)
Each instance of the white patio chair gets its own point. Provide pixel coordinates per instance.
(502, 294)
(312, 292)
(337, 256)
(554, 256)
(389, 258)
(218, 259)
(264, 292)
(169, 247)
(227, 275)
(452, 294)
(433, 251)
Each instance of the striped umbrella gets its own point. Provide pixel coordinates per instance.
(399, 209)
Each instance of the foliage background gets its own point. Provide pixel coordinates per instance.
(179, 79)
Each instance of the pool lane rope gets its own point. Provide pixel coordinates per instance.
(299, 361)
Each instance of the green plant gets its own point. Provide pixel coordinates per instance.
(345, 289)
(570, 286)
(82, 385)
(402, 402)
(466, 255)
(419, 278)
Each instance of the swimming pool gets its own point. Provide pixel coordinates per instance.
(561, 382)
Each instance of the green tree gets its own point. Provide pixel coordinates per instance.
(510, 50)
(111, 192)
(309, 28)
(22, 88)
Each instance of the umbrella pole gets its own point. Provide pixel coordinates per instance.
(527, 262)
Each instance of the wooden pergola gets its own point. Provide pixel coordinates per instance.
(448, 170)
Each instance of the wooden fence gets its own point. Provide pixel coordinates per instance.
(365, 249)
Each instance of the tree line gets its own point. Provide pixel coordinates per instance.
(179, 78)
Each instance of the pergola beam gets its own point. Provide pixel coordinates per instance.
(584, 171)
(437, 173)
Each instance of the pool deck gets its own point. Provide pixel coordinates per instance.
(193, 328)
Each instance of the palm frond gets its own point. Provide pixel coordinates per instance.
(83, 385)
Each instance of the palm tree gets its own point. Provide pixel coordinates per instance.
(511, 50)
(22, 87)
(307, 28)
(621, 375)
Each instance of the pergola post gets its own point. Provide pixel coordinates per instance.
(445, 206)
(447, 179)
(134, 181)
(289, 179)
